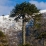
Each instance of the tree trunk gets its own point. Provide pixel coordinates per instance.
(43, 41)
(23, 32)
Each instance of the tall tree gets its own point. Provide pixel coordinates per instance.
(22, 10)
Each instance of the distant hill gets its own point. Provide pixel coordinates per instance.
(8, 22)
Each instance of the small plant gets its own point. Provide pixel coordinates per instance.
(3, 39)
(24, 45)
(27, 45)
(1, 34)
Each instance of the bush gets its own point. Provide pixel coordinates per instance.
(1, 34)
(27, 45)
(24, 45)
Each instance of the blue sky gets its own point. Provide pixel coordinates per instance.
(7, 5)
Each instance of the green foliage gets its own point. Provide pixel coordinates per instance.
(24, 8)
(42, 35)
(38, 16)
(37, 21)
(3, 39)
(37, 26)
(25, 45)
(1, 34)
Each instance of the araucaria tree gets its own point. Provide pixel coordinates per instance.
(22, 10)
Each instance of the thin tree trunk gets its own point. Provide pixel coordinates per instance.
(43, 41)
(23, 32)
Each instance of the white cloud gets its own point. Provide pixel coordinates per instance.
(5, 10)
(3, 2)
(40, 5)
(5, 7)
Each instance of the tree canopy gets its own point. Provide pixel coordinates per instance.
(24, 8)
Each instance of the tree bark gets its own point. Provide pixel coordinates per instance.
(43, 41)
(23, 32)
